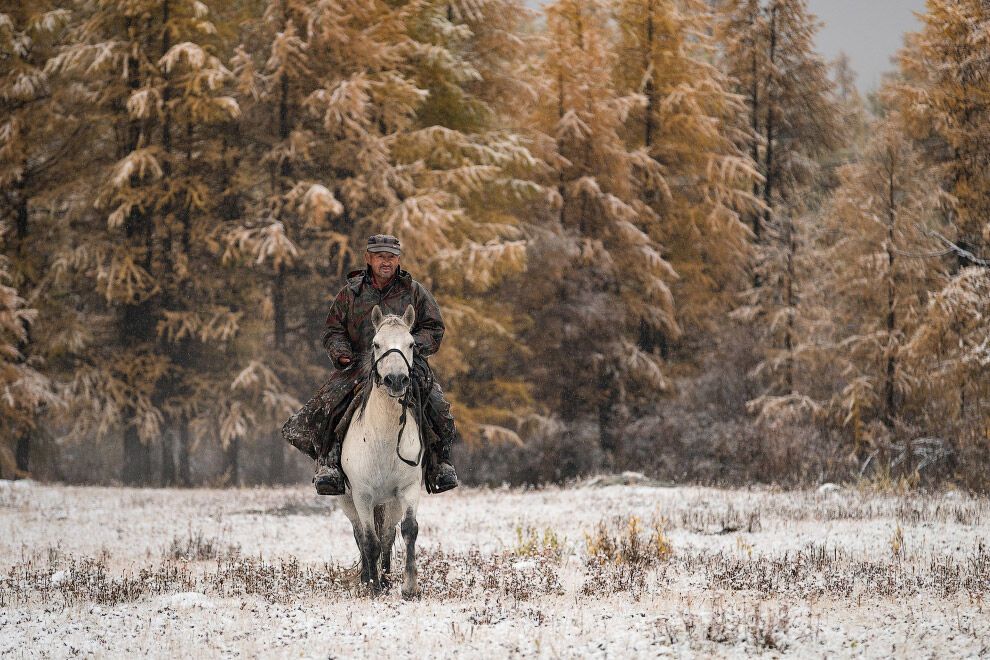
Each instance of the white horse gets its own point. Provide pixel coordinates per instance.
(382, 457)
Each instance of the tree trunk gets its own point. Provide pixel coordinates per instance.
(185, 478)
(137, 459)
(278, 307)
(609, 437)
(231, 459)
(276, 461)
(22, 452)
(21, 221)
(769, 164)
(888, 384)
(168, 459)
(755, 125)
(135, 319)
(791, 302)
(650, 87)
(283, 172)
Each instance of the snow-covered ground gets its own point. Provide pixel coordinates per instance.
(113, 572)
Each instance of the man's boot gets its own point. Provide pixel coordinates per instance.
(329, 477)
(440, 474)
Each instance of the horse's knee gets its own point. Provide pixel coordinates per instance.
(371, 546)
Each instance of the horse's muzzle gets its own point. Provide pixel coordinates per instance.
(396, 384)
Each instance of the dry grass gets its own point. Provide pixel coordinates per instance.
(196, 546)
(631, 570)
(66, 580)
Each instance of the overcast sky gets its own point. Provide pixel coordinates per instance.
(869, 31)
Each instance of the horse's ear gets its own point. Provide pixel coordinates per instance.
(376, 317)
(409, 316)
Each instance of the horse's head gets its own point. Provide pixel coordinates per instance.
(392, 350)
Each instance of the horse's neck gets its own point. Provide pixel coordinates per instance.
(382, 410)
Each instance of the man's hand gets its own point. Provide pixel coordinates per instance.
(344, 360)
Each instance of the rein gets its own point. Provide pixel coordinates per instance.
(417, 406)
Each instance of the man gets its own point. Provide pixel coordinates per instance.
(318, 428)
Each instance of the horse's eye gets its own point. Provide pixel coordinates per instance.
(376, 345)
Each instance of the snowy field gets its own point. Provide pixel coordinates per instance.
(590, 571)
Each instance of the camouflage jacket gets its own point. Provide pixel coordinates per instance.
(349, 331)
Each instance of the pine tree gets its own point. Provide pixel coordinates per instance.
(287, 233)
(946, 360)
(855, 119)
(483, 159)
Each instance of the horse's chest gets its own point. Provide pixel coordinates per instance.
(370, 454)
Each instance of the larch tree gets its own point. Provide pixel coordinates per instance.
(945, 91)
(379, 128)
(469, 133)
(942, 91)
(879, 264)
(23, 388)
(603, 280)
(946, 358)
(768, 50)
(36, 124)
(687, 127)
(287, 232)
(149, 267)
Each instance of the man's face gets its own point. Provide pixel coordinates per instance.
(383, 264)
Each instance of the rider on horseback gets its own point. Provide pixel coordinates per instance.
(318, 428)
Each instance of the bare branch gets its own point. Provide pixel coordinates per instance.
(965, 254)
(921, 255)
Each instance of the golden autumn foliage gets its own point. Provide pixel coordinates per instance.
(638, 216)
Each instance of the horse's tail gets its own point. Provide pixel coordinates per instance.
(379, 520)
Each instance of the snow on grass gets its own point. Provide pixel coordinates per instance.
(596, 571)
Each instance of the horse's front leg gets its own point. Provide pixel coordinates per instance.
(359, 540)
(370, 544)
(410, 530)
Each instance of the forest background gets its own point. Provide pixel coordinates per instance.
(666, 235)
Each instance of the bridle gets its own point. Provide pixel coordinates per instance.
(405, 401)
(374, 367)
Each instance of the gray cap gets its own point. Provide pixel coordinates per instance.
(384, 243)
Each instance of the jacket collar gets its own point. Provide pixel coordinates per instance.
(356, 279)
